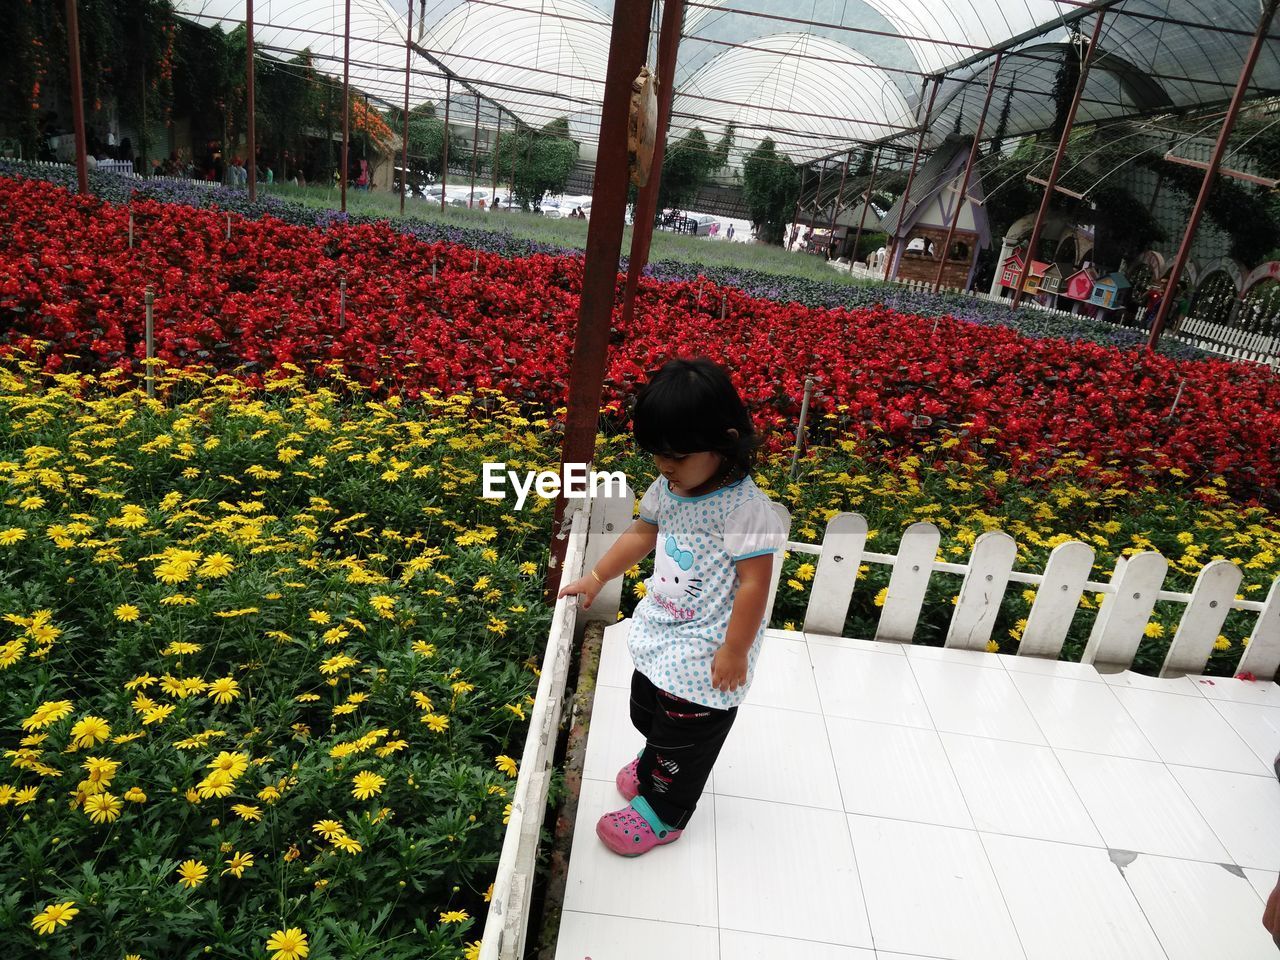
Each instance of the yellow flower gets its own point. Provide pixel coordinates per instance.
(318, 616)
(462, 686)
(233, 764)
(89, 731)
(32, 503)
(347, 844)
(223, 690)
(215, 565)
(453, 916)
(216, 784)
(238, 864)
(882, 596)
(805, 572)
(1222, 643)
(132, 517)
(192, 873)
(516, 709)
(135, 795)
(528, 568)
(173, 571)
(180, 648)
(53, 916)
(993, 646)
(269, 794)
(288, 944)
(367, 785)
(329, 829)
(157, 714)
(25, 795)
(246, 812)
(11, 536)
(338, 663)
(143, 681)
(423, 649)
(383, 604)
(1154, 629)
(506, 765)
(436, 722)
(178, 600)
(472, 951)
(49, 712)
(390, 747)
(102, 807)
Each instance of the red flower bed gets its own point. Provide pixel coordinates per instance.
(270, 295)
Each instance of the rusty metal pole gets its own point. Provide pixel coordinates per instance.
(1211, 173)
(404, 152)
(444, 160)
(835, 207)
(475, 152)
(1052, 181)
(647, 201)
(891, 250)
(77, 95)
(795, 220)
(628, 42)
(493, 158)
(968, 173)
(866, 203)
(515, 153)
(817, 199)
(346, 103)
(249, 72)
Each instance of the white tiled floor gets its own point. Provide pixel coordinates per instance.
(881, 802)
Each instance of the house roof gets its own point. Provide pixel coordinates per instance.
(943, 166)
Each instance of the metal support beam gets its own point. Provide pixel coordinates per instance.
(866, 205)
(493, 159)
(628, 42)
(77, 95)
(404, 151)
(890, 246)
(475, 153)
(835, 207)
(1057, 162)
(968, 173)
(1211, 172)
(1057, 187)
(251, 162)
(444, 159)
(795, 220)
(1269, 182)
(647, 201)
(346, 103)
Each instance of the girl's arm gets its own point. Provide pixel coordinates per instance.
(636, 543)
(729, 668)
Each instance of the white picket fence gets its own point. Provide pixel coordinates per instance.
(1230, 342)
(1130, 596)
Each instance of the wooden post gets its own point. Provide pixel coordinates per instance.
(962, 197)
(647, 201)
(804, 418)
(628, 40)
(404, 152)
(1210, 173)
(149, 298)
(346, 103)
(252, 159)
(444, 160)
(77, 96)
(915, 163)
(1052, 180)
(866, 203)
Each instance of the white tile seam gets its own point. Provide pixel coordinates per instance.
(1195, 806)
(1218, 713)
(969, 810)
(831, 753)
(1267, 761)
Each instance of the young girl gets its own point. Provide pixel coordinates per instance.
(695, 635)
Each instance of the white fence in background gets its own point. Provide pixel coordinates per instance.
(1229, 342)
(1130, 596)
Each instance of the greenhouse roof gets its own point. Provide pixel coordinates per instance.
(831, 77)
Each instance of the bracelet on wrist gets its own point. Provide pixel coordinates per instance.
(597, 578)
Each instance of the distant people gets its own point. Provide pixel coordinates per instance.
(362, 180)
(728, 233)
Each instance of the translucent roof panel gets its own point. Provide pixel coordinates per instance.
(819, 78)
(805, 92)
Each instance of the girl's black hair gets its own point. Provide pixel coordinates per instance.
(689, 406)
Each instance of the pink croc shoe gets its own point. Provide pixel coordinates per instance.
(629, 834)
(628, 780)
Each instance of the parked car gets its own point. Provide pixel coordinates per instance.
(702, 224)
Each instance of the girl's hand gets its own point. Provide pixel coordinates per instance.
(586, 587)
(728, 670)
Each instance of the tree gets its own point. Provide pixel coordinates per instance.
(770, 186)
(544, 160)
(688, 164)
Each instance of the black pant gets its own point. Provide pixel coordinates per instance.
(682, 741)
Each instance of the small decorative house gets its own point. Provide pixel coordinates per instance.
(1079, 286)
(1055, 278)
(1110, 292)
(1011, 269)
